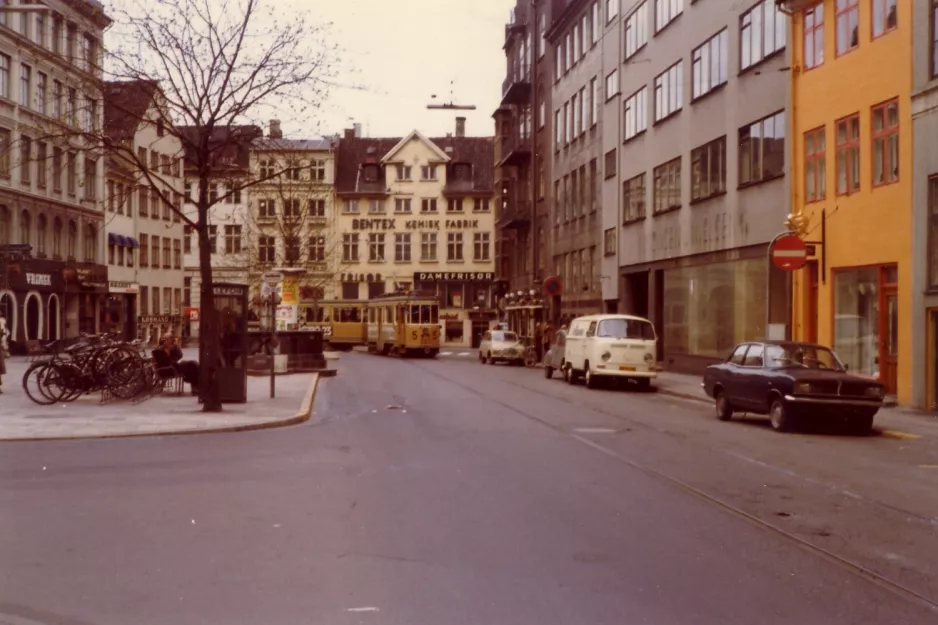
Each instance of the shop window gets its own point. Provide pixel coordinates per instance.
(933, 233)
(453, 295)
(856, 319)
(454, 332)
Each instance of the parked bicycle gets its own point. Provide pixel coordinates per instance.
(118, 369)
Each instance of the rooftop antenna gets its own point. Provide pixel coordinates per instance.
(451, 105)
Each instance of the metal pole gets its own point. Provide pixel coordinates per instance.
(273, 340)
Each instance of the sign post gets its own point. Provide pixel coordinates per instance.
(789, 253)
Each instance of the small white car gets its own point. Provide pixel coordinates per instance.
(610, 346)
(501, 346)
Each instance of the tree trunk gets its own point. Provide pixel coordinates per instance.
(209, 348)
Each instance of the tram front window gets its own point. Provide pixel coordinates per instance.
(434, 314)
(350, 315)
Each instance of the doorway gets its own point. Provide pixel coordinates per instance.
(889, 336)
(811, 302)
(478, 329)
(52, 318)
(32, 314)
(637, 294)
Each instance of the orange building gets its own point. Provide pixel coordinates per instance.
(851, 163)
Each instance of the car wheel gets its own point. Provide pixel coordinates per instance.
(862, 426)
(569, 375)
(644, 384)
(723, 407)
(780, 417)
(592, 381)
(548, 372)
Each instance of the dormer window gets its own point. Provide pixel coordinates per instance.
(370, 173)
(462, 172)
(428, 172)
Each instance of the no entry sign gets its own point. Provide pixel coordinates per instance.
(789, 252)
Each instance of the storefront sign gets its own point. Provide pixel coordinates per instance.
(86, 277)
(38, 279)
(461, 224)
(361, 277)
(157, 319)
(236, 291)
(191, 313)
(454, 276)
(119, 286)
(449, 316)
(374, 224)
(34, 275)
(414, 224)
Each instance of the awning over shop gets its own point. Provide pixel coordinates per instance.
(119, 239)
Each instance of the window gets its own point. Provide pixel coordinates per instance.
(212, 189)
(376, 247)
(402, 205)
(848, 26)
(91, 178)
(567, 123)
(667, 191)
(609, 242)
(91, 243)
(56, 168)
(558, 129)
(266, 249)
(481, 205)
(5, 75)
(212, 239)
(350, 247)
(71, 107)
(267, 208)
(558, 62)
(636, 114)
(669, 91)
(317, 170)
(636, 30)
(291, 208)
(6, 143)
(848, 155)
(568, 52)
(886, 143)
(233, 239)
(762, 33)
(293, 170)
(167, 251)
(428, 205)
(57, 34)
(71, 244)
(71, 172)
(56, 238)
(350, 206)
(26, 157)
(597, 22)
(26, 82)
(582, 113)
(934, 38)
(585, 28)
(428, 172)
(40, 33)
(177, 253)
(454, 205)
(666, 11)
(402, 247)
(577, 42)
(41, 86)
(612, 83)
(481, 244)
(612, 10)
(610, 164)
(41, 165)
(317, 249)
(187, 239)
(709, 64)
(428, 246)
(26, 228)
(815, 165)
(291, 249)
(88, 53)
(708, 170)
(933, 232)
(762, 149)
(593, 184)
(316, 208)
(265, 168)
(814, 36)
(542, 35)
(404, 172)
(56, 99)
(454, 246)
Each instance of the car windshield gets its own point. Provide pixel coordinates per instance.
(807, 356)
(509, 337)
(626, 329)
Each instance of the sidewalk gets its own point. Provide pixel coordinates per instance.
(21, 419)
(896, 421)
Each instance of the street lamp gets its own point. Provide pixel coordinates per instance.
(271, 301)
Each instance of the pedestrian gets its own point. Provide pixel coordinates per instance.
(3, 354)
(188, 369)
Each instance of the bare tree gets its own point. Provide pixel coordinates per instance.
(217, 68)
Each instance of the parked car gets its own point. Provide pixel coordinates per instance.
(790, 381)
(554, 358)
(610, 347)
(501, 346)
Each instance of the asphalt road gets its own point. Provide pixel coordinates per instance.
(448, 492)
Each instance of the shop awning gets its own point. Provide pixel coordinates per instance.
(132, 242)
(112, 239)
(119, 239)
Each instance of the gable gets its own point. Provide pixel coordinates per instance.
(425, 145)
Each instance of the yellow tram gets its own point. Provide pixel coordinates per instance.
(342, 322)
(405, 324)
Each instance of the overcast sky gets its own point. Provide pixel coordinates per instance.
(403, 52)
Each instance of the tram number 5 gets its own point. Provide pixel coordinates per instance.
(414, 334)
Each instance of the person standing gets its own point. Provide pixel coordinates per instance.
(3, 353)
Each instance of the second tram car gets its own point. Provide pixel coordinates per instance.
(405, 324)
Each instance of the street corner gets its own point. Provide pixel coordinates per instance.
(160, 416)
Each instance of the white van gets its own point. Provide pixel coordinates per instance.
(607, 346)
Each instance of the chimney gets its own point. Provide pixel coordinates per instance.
(358, 130)
(275, 132)
(460, 126)
(349, 133)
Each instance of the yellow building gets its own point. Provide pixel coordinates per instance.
(416, 213)
(851, 129)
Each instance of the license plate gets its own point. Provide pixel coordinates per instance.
(624, 368)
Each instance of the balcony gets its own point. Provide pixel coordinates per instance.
(514, 213)
(516, 88)
(517, 20)
(516, 149)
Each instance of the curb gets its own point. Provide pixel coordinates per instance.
(306, 409)
(703, 399)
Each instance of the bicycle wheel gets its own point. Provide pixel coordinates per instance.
(124, 376)
(68, 379)
(33, 383)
